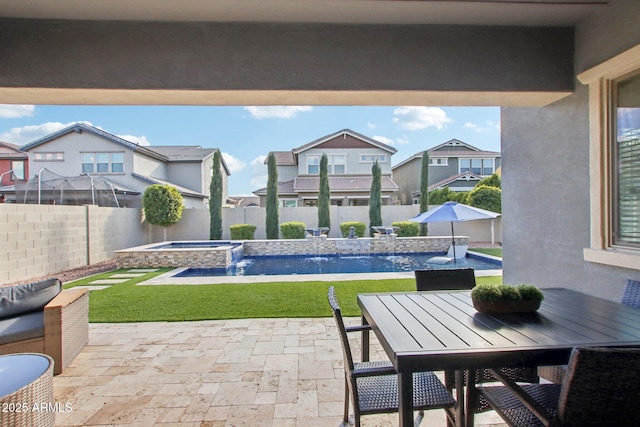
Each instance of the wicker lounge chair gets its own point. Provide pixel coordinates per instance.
(464, 278)
(40, 317)
(373, 386)
(630, 297)
(599, 389)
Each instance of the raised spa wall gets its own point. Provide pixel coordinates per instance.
(221, 256)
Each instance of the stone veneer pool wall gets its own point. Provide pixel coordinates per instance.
(221, 257)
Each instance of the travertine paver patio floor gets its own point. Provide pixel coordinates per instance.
(258, 372)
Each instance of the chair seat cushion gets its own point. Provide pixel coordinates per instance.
(28, 297)
(27, 326)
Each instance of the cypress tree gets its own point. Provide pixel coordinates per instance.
(215, 199)
(424, 190)
(375, 197)
(272, 198)
(324, 195)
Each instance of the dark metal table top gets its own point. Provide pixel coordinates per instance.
(442, 330)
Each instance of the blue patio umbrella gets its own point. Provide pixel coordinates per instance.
(453, 212)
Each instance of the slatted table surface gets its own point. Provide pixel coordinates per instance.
(443, 331)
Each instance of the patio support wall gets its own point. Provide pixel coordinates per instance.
(545, 175)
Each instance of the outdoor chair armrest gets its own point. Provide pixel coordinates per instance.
(373, 371)
(358, 328)
(66, 326)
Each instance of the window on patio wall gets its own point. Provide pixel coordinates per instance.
(614, 135)
(625, 168)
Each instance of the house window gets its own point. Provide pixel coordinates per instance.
(438, 161)
(372, 158)
(625, 162)
(102, 162)
(337, 165)
(614, 159)
(313, 165)
(17, 170)
(87, 162)
(48, 157)
(288, 203)
(477, 166)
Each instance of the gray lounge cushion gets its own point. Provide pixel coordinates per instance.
(23, 327)
(28, 297)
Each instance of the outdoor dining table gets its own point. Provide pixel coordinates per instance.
(441, 330)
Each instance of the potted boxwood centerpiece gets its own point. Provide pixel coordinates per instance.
(506, 298)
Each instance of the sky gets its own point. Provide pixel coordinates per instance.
(246, 134)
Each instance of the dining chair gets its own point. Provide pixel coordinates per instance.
(461, 279)
(599, 389)
(373, 386)
(630, 297)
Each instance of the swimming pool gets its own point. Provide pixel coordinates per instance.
(276, 265)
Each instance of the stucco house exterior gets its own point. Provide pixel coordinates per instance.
(351, 156)
(454, 164)
(83, 149)
(14, 164)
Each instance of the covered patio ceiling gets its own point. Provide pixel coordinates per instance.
(74, 61)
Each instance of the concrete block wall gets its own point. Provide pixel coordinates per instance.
(38, 240)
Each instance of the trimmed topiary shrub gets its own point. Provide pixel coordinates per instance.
(242, 231)
(407, 228)
(358, 227)
(292, 230)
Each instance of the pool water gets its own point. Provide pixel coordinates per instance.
(256, 266)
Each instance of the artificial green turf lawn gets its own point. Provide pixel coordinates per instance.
(126, 302)
(489, 251)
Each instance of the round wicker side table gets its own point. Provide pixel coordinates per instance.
(26, 390)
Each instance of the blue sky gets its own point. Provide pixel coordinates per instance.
(245, 135)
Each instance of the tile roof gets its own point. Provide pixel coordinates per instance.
(183, 190)
(354, 134)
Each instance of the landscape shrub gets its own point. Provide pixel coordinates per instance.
(407, 228)
(292, 230)
(242, 231)
(488, 198)
(358, 227)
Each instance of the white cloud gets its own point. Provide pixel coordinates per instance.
(140, 140)
(9, 111)
(398, 141)
(277, 112)
(26, 134)
(234, 165)
(259, 172)
(404, 139)
(383, 139)
(371, 125)
(416, 118)
(489, 127)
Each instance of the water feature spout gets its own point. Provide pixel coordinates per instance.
(352, 233)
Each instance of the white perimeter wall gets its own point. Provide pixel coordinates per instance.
(39, 240)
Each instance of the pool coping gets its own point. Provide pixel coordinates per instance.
(169, 279)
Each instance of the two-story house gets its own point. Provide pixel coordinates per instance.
(350, 159)
(454, 164)
(82, 150)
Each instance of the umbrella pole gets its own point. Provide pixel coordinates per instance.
(453, 242)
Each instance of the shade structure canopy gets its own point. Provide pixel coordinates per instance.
(453, 212)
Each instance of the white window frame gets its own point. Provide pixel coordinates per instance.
(308, 159)
(600, 80)
(48, 156)
(438, 161)
(109, 162)
(364, 158)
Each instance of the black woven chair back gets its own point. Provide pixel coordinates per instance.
(445, 279)
(337, 315)
(632, 293)
(601, 388)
